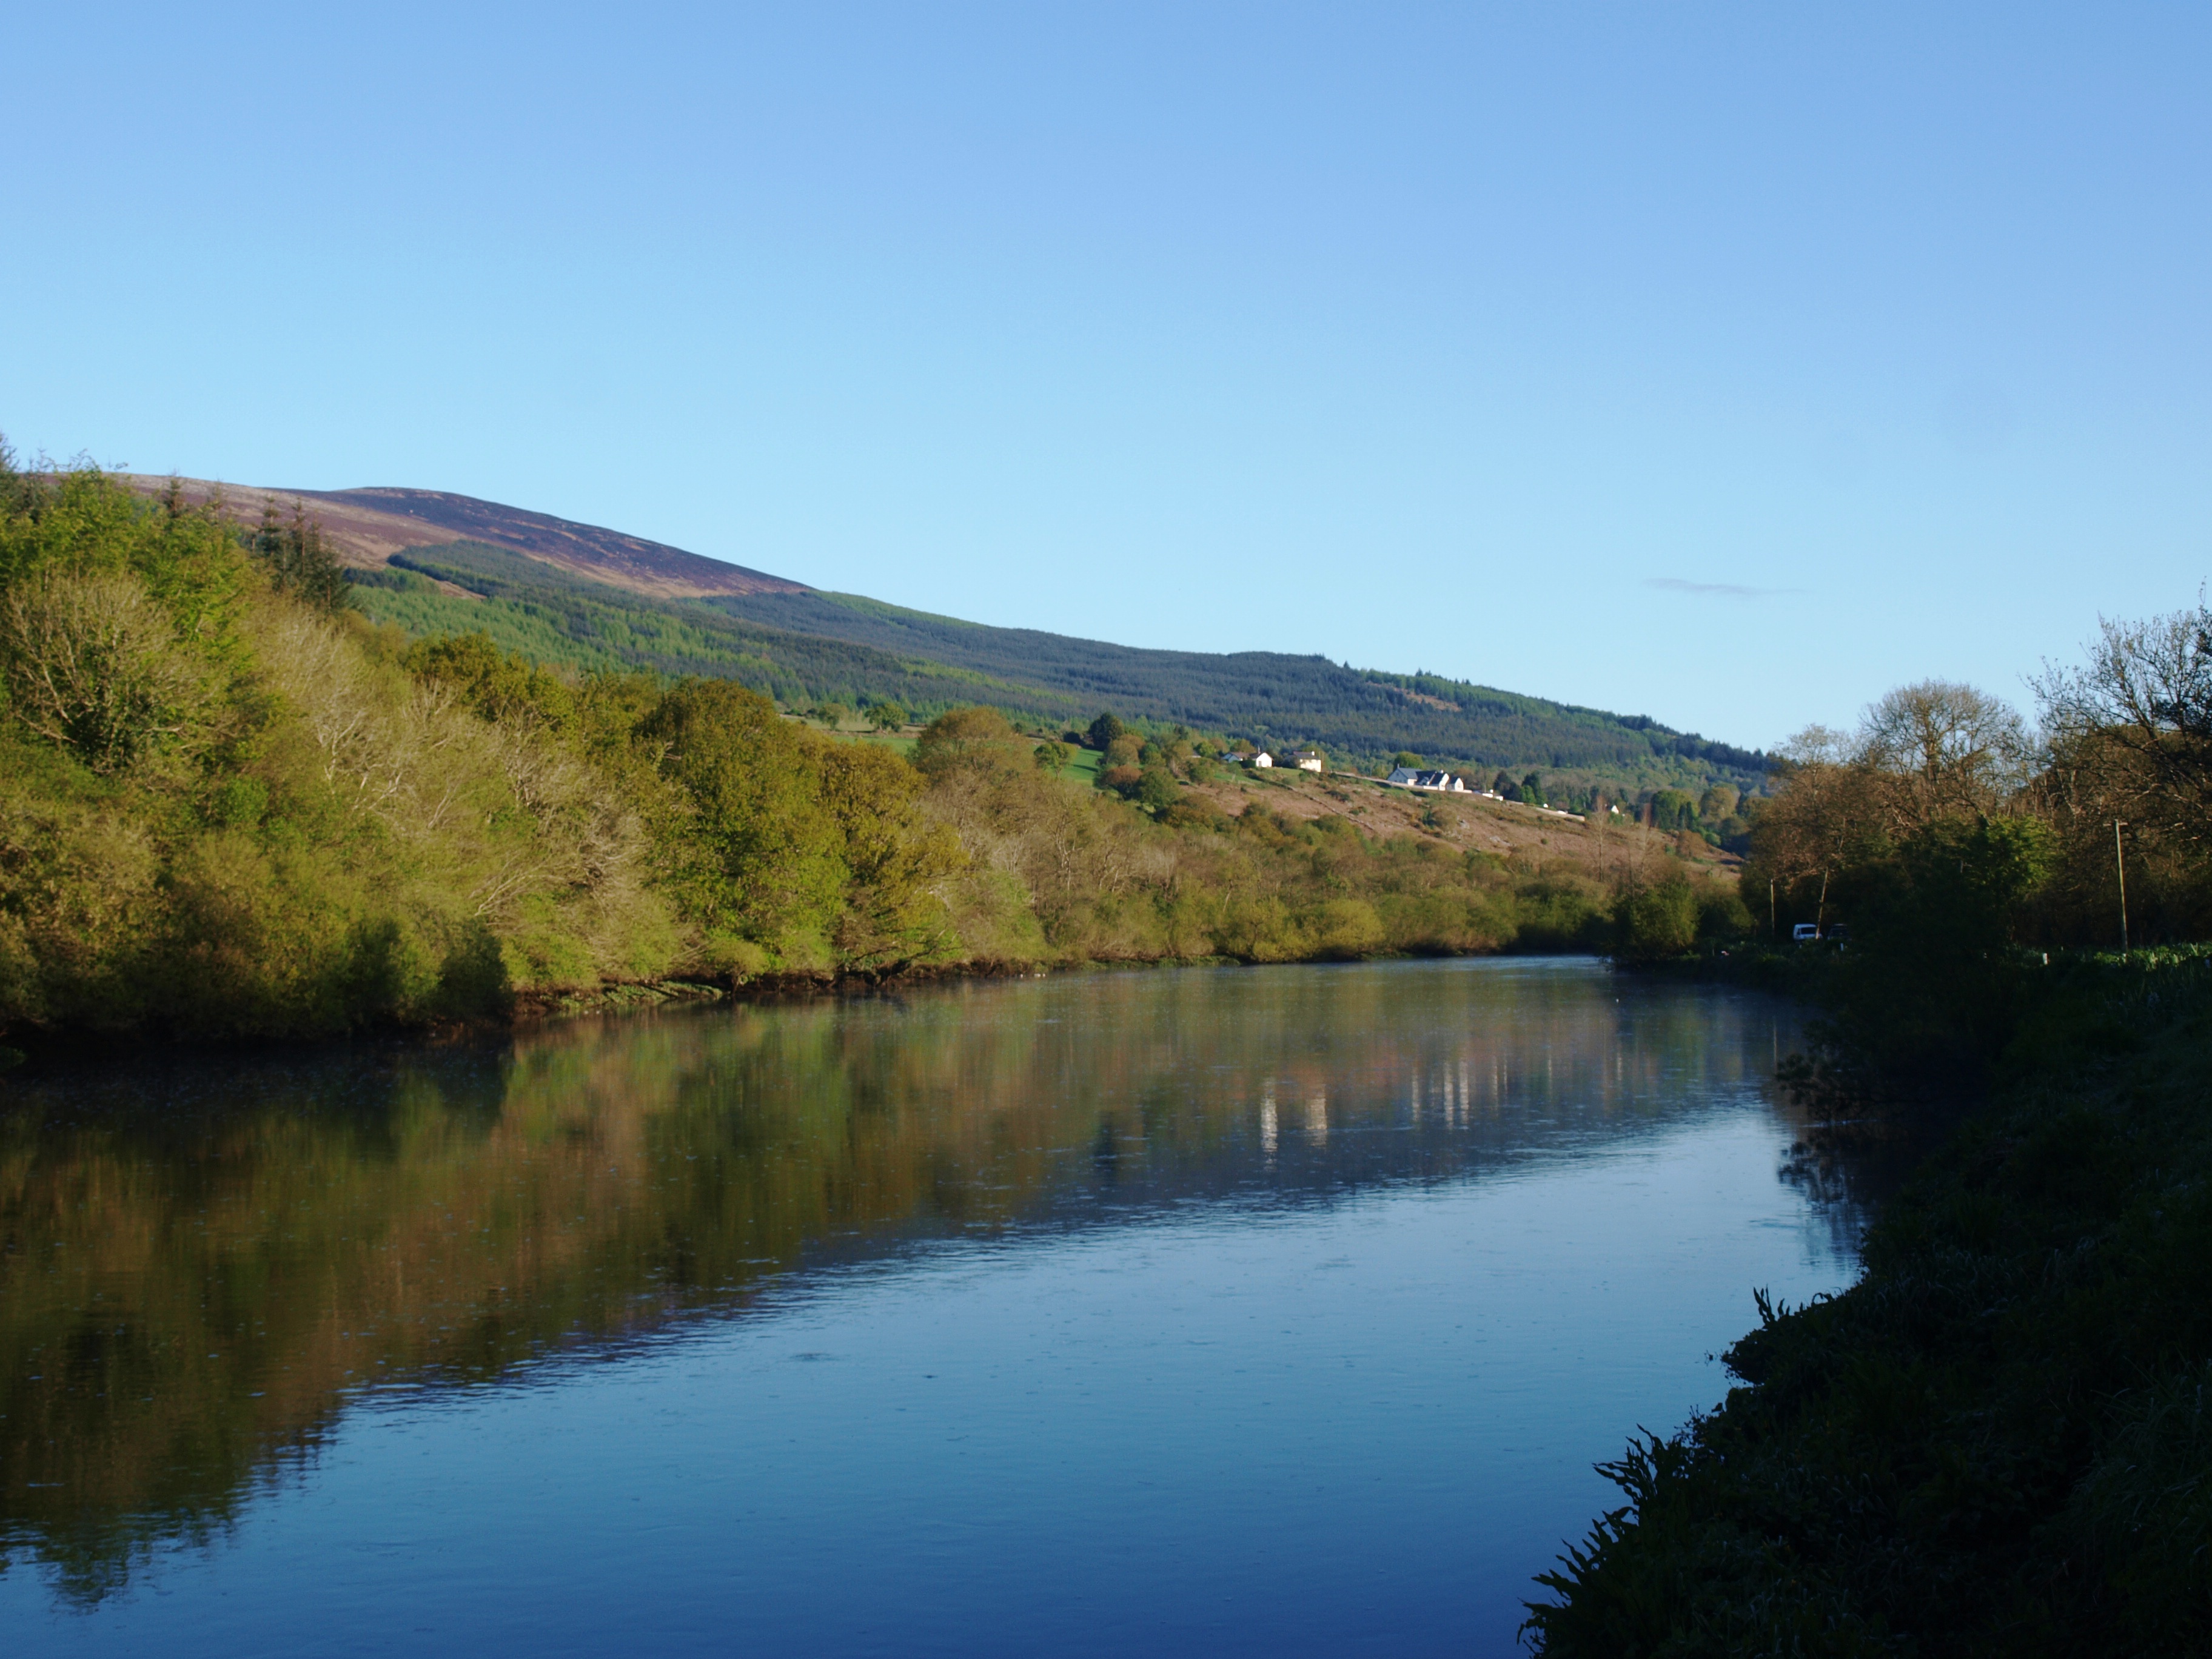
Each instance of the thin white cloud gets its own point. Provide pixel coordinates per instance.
(1722, 590)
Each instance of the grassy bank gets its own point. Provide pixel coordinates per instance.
(1998, 1442)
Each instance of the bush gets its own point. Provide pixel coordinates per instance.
(1155, 789)
(1655, 922)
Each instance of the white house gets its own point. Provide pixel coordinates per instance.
(1309, 760)
(1413, 777)
(1263, 758)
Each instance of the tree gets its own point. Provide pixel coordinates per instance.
(2132, 733)
(1719, 802)
(299, 561)
(1942, 750)
(1405, 758)
(968, 738)
(1052, 756)
(1103, 731)
(1930, 754)
(891, 856)
(1656, 922)
(886, 716)
(93, 664)
(497, 685)
(753, 851)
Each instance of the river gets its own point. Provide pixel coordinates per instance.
(1209, 1311)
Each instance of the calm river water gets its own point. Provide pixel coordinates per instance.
(1276, 1311)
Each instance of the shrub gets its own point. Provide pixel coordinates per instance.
(1657, 921)
(93, 664)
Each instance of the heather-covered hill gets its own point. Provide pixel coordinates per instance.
(583, 597)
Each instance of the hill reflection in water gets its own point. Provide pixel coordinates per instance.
(207, 1261)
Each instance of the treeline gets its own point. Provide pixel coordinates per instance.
(1597, 731)
(1957, 844)
(231, 804)
(2000, 1440)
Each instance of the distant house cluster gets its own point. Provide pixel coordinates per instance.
(1413, 777)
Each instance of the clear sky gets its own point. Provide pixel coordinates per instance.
(1727, 364)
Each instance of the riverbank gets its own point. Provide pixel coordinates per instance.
(538, 1007)
(2000, 1440)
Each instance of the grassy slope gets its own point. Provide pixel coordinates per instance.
(563, 620)
(811, 647)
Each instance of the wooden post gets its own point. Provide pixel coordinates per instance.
(2120, 863)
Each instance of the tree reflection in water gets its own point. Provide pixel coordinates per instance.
(205, 1260)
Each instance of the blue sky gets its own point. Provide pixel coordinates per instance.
(1727, 364)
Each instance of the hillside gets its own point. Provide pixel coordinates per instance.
(1268, 695)
(584, 597)
(366, 527)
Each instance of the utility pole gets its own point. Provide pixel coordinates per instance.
(2120, 863)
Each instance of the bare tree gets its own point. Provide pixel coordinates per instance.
(1922, 754)
(2131, 731)
(1943, 750)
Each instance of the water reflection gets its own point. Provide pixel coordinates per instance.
(205, 1262)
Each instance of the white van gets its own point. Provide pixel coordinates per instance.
(1805, 932)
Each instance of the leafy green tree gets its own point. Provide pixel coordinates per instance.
(887, 716)
(1405, 757)
(1673, 809)
(1052, 756)
(751, 850)
(497, 684)
(1654, 922)
(971, 739)
(1718, 803)
(1102, 732)
(1934, 976)
(1156, 788)
(891, 858)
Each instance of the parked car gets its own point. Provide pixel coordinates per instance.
(1805, 932)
